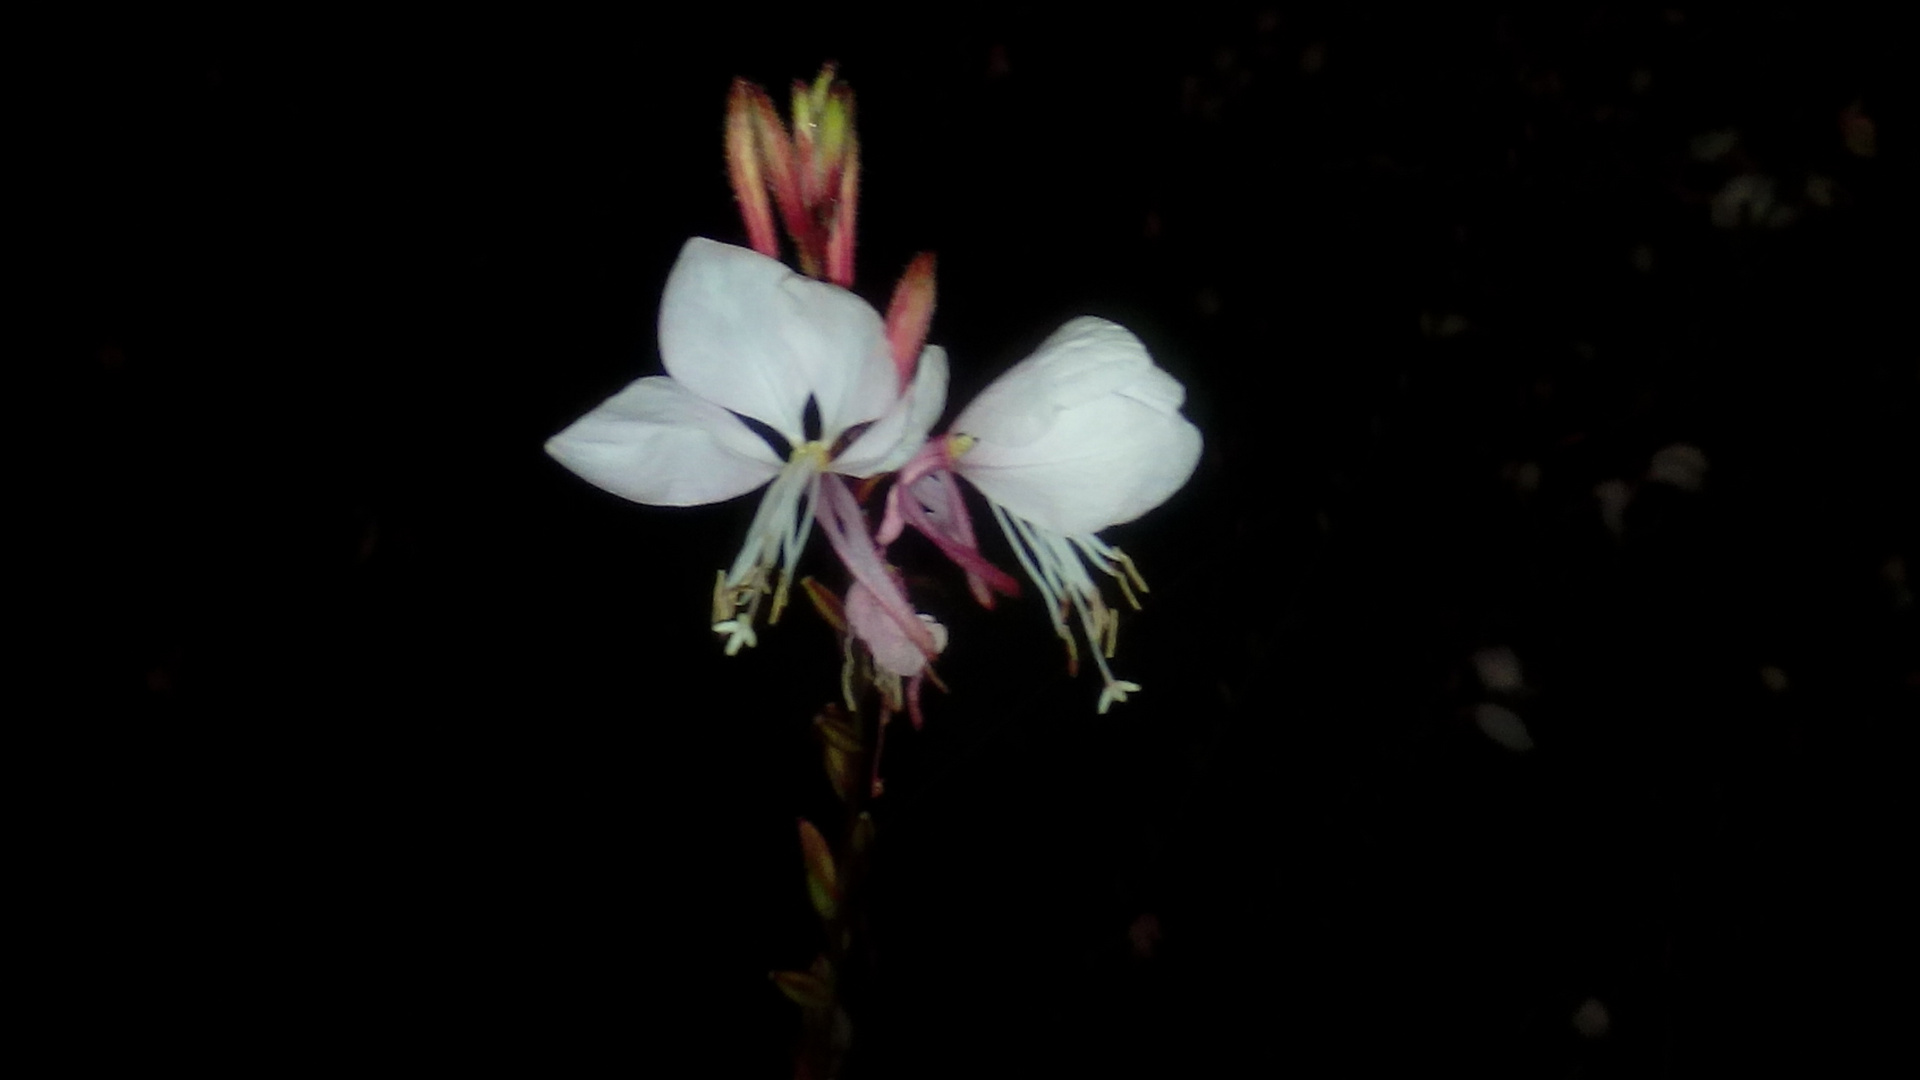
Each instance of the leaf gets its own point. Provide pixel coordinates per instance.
(840, 772)
(824, 602)
(832, 728)
(823, 882)
(805, 989)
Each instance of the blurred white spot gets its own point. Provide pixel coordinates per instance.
(1642, 258)
(1144, 934)
(1585, 350)
(1713, 145)
(1773, 679)
(1746, 199)
(842, 1036)
(1820, 190)
(999, 66)
(1613, 496)
(1591, 1019)
(1498, 669)
(1524, 476)
(1502, 725)
(1640, 81)
(1313, 58)
(1527, 479)
(1683, 465)
(1856, 130)
(1442, 326)
(1894, 573)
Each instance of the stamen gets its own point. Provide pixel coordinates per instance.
(1116, 691)
(1055, 565)
(779, 531)
(723, 607)
(1050, 589)
(1112, 561)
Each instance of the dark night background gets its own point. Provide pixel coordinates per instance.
(400, 744)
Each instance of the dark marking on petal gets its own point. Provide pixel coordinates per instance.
(781, 448)
(810, 420)
(846, 439)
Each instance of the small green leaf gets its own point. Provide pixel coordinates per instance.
(824, 602)
(823, 883)
(841, 773)
(807, 990)
(832, 727)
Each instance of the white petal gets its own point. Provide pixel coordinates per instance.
(746, 333)
(1084, 360)
(1084, 434)
(897, 436)
(656, 443)
(1102, 464)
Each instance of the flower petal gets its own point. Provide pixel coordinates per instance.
(939, 511)
(1084, 434)
(874, 622)
(656, 443)
(846, 530)
(896, 437)
(1086, 359)
(746, 333)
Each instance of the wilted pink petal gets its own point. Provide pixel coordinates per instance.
(846, 530)
(874, 624)
(925, 496)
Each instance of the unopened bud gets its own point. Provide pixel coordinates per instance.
(842, 215)
(744, 169)
(909, 314)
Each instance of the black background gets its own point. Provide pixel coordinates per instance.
(399, 744)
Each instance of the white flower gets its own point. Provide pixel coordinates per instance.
(1084, 434)
(743, 336)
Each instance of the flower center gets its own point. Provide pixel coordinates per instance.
(774, 540)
